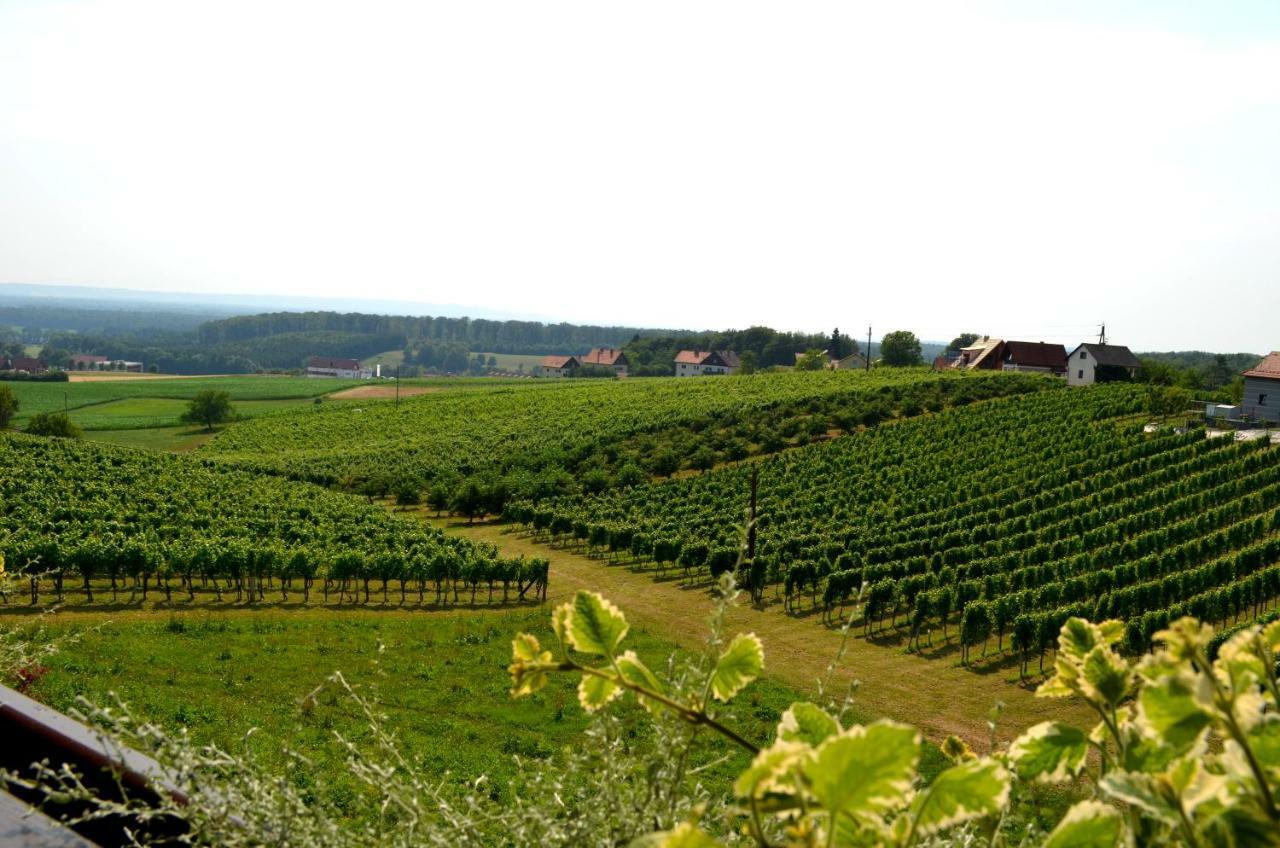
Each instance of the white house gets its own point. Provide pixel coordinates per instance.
(696, 363)
(558, 366)
(332, 366)
(1262, 389)
(1098, 363)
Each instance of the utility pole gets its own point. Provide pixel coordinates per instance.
(1102, 334)
(868, 348)
(397, 386)
(66, 410)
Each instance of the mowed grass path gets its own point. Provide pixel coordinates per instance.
(220, 671)
(930, 691)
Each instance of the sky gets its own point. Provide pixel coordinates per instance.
(1024, 170)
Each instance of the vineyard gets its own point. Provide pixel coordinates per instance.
(80, 517)
(545, 439)
(991, 524)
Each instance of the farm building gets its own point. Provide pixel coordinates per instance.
(1099, 363)
(23, 364)
(332, 366)
(607, 357)
(87, 362)
(557, 366)
(695, 363)
(852, 362)
(1262, 389)
(1001, 355)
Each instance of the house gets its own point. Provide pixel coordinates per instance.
(695, 363)
(1100, 363)
(607, 357)
(86, 362)
(558, 366)
(332, 366)
(23, 364)
(1262, 389)
(852, 362)
(992, 354)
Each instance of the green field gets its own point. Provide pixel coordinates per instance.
(180, 439)
(133, 404)
(526, 362)
(441, 681)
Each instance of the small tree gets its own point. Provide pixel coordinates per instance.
(8, 406)
(209, 407)
(900, 348)
(812, 360)
(52, 424)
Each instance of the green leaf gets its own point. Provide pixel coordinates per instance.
(865, 771)
(594, 692)
(1077, 638)
(593, 625)
(962, 793)
(1264, 741)
(1089, 824)
(686, 835)
(636, 673)
(807, 723)
(1240, 826)
(1170, 710)
(1107, 674)
(1138, 790)
(526, 651)
(1050, 752)
(740, 664)
(767, 774)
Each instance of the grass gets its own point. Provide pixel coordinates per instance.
(931, 691)
(135, 404)
(526, 362)
(440, 679)
(388, 359)
(180, 439)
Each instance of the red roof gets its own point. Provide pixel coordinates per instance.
(1036, 355)
(701, 357)
(333, 362)
(25, 363)
(559, 361)
(1268, 368)
(692, 357)
(610, 356)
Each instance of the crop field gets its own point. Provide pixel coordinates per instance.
(131, 404)
(79, 514)
(556, 435)
(990, 524)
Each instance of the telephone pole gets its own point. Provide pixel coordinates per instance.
(868, 348)
(1102, 334)
(397, 386)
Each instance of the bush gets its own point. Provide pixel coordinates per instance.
(52, 424)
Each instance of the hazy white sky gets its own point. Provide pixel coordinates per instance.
(1019, 169)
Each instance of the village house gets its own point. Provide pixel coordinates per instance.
(332, 366)
(1262, 389)
(558, 366)
(86, 362)
(991, 354)
(852, 362)
(696, 363)
(607, 357)
(23, 365)
(1100, 363)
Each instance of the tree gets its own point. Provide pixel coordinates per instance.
(812, 360)
(209, 407)
(962, 341)
(52, 424)
(8, 406)
(837, 344)
(747, 363)
(900, 348)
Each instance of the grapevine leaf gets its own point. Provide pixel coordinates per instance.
(1106, 674)
(740, 664)
(686, 835)
(957, 750)
(1271, 636)
(766, 774)
(636, 673)
(1240, 826)
(593, 625)
(526, 651)
(594, 692)
(962, 793)
(1049, 752)
(1138, 790)
(1170, 710)
(1238, 658)
(1077, 638)
(1089, 824)
(865, 771)
(807, 723)
(1264, 740)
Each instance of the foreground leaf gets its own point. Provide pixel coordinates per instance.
(594, 626)
(865, 771)
(526, 651)
(971, 790)
(741, 663)
(1089, 824)
(636, 673)
(685, 836)
(594, 692)
(807, 723)
(1049, 752)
